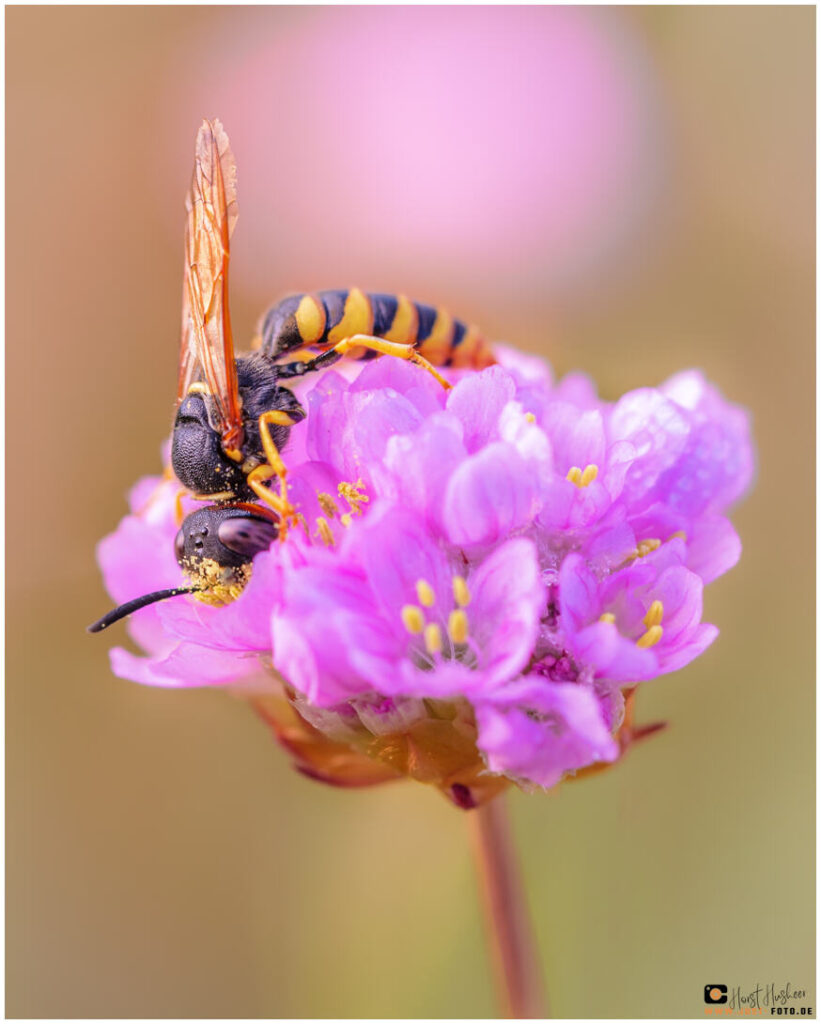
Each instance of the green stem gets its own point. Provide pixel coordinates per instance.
(515, 956)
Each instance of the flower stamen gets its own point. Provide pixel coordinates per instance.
(354, 495)
(646, 546)
(654, 614)
(461, 594)
(424, 591)
(651, 637)
(433, 638)
(582, 477)
(413, 619)
(327, 504)
(458, 626)
(607, 617)
(589, 475)
(324, 532)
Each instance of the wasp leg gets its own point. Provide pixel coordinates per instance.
(368, 341)
(275, 467)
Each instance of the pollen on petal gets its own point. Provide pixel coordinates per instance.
(654, 615)
(424, 591)
(413, 619)
(458, 626)
(433, 638)
(651, 637)
(607, 617)
(461, 594)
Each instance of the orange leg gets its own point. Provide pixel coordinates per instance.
(390, 348)
(274, 467)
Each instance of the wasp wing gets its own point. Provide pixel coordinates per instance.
(207, 346)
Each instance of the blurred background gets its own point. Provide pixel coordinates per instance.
(628, 191)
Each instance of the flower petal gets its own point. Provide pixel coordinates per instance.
(488, 496)
(538, 731)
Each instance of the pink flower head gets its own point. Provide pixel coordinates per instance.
(475, 575)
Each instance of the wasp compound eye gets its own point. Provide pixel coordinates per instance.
(246, 535)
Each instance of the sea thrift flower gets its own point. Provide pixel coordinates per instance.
(478, 578)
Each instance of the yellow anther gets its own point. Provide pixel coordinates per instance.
(354, 495)
(327, 504)
(651, 637)
(678, 533)
(413, 619)
(461, 594)
(325, 533)
(433, 638)
(458, 626)
(424, 591)
(530, 417)
(346, 520)
(646, 546)
(654, 615)
(581, 478)
(589, 475)
(607, 617)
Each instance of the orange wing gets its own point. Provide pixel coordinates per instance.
(207, 348)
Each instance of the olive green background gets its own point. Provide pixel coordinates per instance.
(162, 859)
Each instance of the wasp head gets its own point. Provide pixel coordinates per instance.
(216, 546)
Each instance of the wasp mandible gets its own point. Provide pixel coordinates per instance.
(233, 414)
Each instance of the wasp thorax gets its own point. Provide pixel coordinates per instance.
(197, 455)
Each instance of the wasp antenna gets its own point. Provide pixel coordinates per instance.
(132, 606)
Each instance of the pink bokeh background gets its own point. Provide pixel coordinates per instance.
(490, 143)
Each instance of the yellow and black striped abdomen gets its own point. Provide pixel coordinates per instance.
(320, 320)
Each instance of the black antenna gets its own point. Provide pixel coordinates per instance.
(132, 606)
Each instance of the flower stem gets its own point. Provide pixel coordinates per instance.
(510, 933)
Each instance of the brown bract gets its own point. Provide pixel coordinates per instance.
(439, 750)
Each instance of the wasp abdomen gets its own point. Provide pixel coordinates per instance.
(322, 319)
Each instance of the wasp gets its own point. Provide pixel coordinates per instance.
(234, 413)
